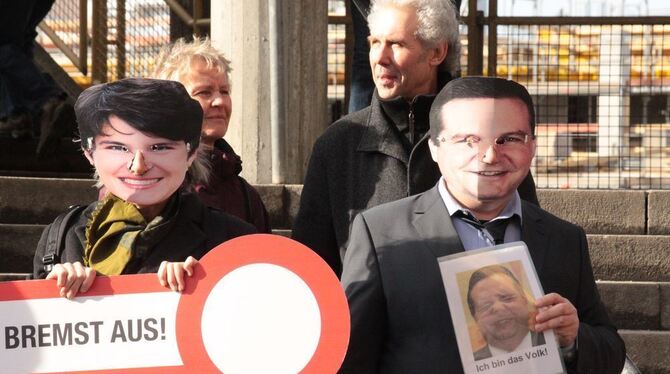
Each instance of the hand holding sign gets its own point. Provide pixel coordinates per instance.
(259, 303)
(72, 278)
(171, 274)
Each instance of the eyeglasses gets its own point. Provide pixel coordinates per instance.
(511, 141)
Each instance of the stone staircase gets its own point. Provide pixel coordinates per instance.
(628, 234)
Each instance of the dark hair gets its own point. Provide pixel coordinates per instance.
(154, 106)
(479, 88)
(485, 272)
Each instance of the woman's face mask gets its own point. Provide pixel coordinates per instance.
(139, 168)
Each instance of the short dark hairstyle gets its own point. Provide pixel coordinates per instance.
(485, 272)
(154, 106)
(478, 88)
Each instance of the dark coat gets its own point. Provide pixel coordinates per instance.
(229, 192)
(360, 162)
(400, 319)
(197, 230)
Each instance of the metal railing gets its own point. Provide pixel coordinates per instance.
(340, 50)
(601, 87)
(195, 18)
(124, 35)
(601, 84)
(66, 26)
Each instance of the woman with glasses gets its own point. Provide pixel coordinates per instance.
(142, 138)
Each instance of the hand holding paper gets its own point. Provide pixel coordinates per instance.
(558, 313)
(171, 274)
(72, 278)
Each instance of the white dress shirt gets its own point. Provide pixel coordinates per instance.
(472, 237)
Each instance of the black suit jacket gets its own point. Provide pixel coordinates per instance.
(400, 320)
(360, 162)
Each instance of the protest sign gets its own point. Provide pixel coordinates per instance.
(259, 303)
(491, 294)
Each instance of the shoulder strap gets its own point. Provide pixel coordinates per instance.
(56, 236)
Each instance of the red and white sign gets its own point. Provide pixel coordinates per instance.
(255, 304)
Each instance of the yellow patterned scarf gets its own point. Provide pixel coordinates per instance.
(112, 232)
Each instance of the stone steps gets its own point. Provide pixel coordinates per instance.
(637, 305)
(641, 304)
(638, 258)
(597, 211)
(650, 350)
(18, 247)
(20, 241)
(630, 257)
(28, 200)
(628, 234)
(18, 157)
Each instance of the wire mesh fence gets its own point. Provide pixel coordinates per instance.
(62, 34)
(601, 89)
(601, 93)
(601, 97)
(337, 53)
(137, 29)
(336, 60)
(63, 18)
(124, 35)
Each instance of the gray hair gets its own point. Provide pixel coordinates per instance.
(174, 60)
(174, 63)
(438, 23)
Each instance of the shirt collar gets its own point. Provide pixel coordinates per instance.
(453, 206)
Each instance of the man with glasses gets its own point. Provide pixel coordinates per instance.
(380, 153)
(482, 138)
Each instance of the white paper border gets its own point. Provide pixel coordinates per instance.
(452, 265)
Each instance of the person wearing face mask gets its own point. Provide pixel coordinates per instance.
(482, 137)
(142, 137)
(205, 72)
(380, 153)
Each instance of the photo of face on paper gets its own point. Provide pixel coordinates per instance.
(499, 310)
(491, 294)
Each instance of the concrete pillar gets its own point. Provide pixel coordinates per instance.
(240, 30)
(614, 104)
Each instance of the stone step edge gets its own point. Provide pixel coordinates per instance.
(643, 306)
(282, 232)
(637, 212)
(648, 349)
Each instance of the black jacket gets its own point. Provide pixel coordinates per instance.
(228, 191)
(362, 161)
(197, 230)
(400, 319)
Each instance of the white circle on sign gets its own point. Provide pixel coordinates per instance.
(261, 318)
